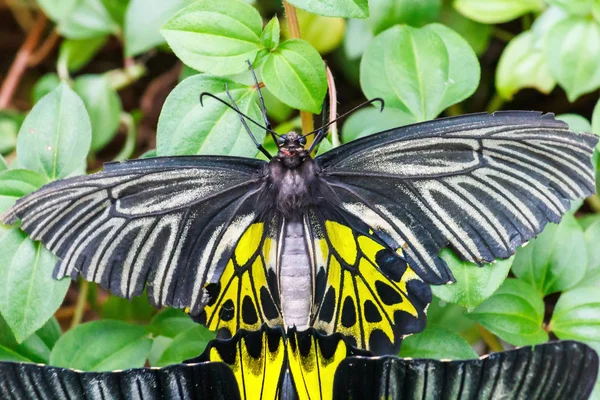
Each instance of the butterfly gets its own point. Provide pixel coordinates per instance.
(271, 364)
(346, 242)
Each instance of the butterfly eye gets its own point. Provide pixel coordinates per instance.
(281, 140)
(302, 140)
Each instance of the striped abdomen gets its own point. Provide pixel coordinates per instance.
(295, 283)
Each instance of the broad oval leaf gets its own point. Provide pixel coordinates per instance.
(103, 106)
(514, 313)
(186, 127)
(215, 36)
(437, 343)
(295, 74)
(45, 85)
(370, 120)
(474, 284)
(143, 21)
(334, 8)
(572, 51)
(138, 309)
(16, 183)
(554, 261)
(420, 71)
(10, 123)
(74, 54)
(577, 315)
(523, 65)
(497, 11)
(55, 138)
(575, 7)
(325, 34)
(36, 348)
(270, 35)
(186, 345)
(103, 345)
(576, 122)
(29, 295)
(386, 13)
(81, 19)
(170, 323)
(478, 35)
(3, 164)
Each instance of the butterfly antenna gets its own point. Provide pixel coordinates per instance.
(261, 100)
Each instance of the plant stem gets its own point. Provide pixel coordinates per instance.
(489, 339)
(45, 49)
(81, 303)
(333, 129)
(19, 65)
(294, 29)
(495, 103)
(594, 202)
(121, 78)
(129, 146)
(503, 35)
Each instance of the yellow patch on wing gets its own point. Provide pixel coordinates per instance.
(245, 300)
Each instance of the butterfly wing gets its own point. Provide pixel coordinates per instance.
(557, 370)
(483, 184)
(170, 223)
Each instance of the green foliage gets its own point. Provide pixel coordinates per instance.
(77, 53)
(335, 8)
(437, 343)
(497, 11)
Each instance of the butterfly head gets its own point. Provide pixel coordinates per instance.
(291, 149)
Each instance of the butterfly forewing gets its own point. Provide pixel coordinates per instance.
(483, 184)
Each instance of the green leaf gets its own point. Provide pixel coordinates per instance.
(29, 296)
(138, 309)
(44, 85)
(576, 122)
(420, 71)
(186, 127)
(387, 13)
(514, 313)
(323, 33)
(575, 7)
(103, 345)
(437, 343)
(75, 54)
(215, 36)
(188, 344)
(523, 65)
(170, 323)
(452, 317)
(10, 122)
(55, 137)
(334, 8)
(367, 121)
(596, 120)
(36, 348)
(103, 106)
(143, 21)
(276, 109)
(16, 183)
(159, 345)
(270, 35)
(497, 11)
(116, 9)
(591, 235)
(57, 10)
(295, 74)
(478, 35)
(572, 51)
(357, 38)
(577, 315)
(7, 354)
(554, 261)
(80, 19)
(474, 284)
(3, 164)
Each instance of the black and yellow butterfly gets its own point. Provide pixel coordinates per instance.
(268, 364)
(342, 242)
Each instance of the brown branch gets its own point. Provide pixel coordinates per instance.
(19, 65)
(294, 30)
(335, 138)
(45, 49)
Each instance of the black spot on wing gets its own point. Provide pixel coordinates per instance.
(388, 295)
(267, 304)
(254, 343)
(249, 314)
(379, 343)
(328, 306)
(348, 313)
(227, 311)
(391, 264)
(320, 285)
(371, 312)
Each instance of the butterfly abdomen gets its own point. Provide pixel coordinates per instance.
(295, 283)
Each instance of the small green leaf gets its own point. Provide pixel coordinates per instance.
(497, 11)
(478, 35)
(16, 183)
(574, 7)
(57, 10)
(186, 127)
(215, 36)
(514, 313)
(143, 21)
(117, 10)
(170, 323)
(523, 65)
(3, 164)
(334, 8)
(36, 348)
(75, 54)
(420, 71)
(159, 345)
(10, 123)
(577, 315)
(28, 295)
(357, 38)
(576, 122)
(188, 344)
(103, 345)
(276, 109)
(323, 33)
(138, 309)
(270, 35)
(452, 317)
(596, 120)
(80, 19)
(103, 106)
(295, 74)
(572, 51)
(473, 284)
(437, 343)
(554, 261)
(591, 235)
(55, 137)
(370, 120)
(45, 85)
(386, 13)
(7, 354)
